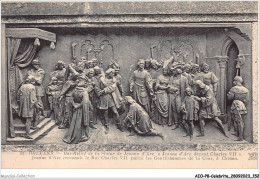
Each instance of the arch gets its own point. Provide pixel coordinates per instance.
(226, 45)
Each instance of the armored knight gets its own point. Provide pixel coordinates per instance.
(141, 85)
(239, 95)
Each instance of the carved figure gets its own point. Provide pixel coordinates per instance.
(59, 72)
(98, 72)
(89, 64)
(79, 127)
(71, 72)
(53, 92)
(91, 83)
(186, 69)
(177, 85)
(162, 102)
(141, 85)
(94, 62)
(209, 108)
(239, 95)
(195, 75)
(153, 67)
(155, 71)
(81, 72)
(27, 100)
(82, 61)
(168, 64)
(110, 98)
(119, 79)
(138, 120)
(38, 75)
(65, 93)
(189, 109)
(208, 77)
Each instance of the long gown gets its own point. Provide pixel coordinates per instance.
(79, 127)
(141, 83)
(161, 103)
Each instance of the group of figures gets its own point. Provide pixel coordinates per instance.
(185, 93)
(82, 93)
(182, 94)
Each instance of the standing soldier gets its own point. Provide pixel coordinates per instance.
(140, 84)
(38, 75)
(239, 94)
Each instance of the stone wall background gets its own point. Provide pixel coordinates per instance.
(134, 43)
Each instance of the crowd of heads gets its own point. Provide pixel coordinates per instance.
(172, 68)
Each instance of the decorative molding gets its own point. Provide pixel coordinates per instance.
(242, 34)
(131, 147)
(226, 44)
(126, 8)
(222, 61)
(94, 47)
(184, 45)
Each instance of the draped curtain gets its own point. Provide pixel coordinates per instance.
(19, 55)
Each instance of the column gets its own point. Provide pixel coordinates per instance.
(255, 80)
(222, 82)
(4, 109)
